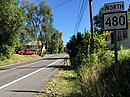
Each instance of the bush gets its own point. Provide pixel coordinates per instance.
(100, 77)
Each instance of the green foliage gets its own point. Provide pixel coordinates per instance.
(98, 21)
(40, 27)
(79, 46)
(99, 77)
(12, 19)
(47, 20)
(33, 24)
(74, 48)
(129, 8)
(56, 44)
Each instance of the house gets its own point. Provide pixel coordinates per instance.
(123, 38)
(34, 46)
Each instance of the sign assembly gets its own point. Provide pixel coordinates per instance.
(115, 18)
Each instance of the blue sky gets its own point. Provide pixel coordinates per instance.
(65, 16)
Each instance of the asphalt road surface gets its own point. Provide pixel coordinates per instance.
(27, 79)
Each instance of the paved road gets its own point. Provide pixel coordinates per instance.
(28, 79)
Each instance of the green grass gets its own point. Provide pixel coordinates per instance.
(64, 84)
(17, 58)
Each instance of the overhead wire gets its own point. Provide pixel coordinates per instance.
(62, 3)
(81, 9)
(58, 5)
(78, 15)
(81, 13)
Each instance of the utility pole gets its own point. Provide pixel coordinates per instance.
(92, 26)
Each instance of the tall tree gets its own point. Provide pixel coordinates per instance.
(33, 25)
(47, 27)
(61, 44)
(39, 25)
(12, 19)
(98, 21)
(55, 42)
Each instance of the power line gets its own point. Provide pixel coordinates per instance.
(62, 3)
(58, 5)
(80, 15)
(84, 7)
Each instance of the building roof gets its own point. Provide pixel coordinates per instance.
(33, 43)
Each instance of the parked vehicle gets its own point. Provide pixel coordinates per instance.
(25, 52)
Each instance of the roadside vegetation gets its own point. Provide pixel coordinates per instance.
(15, 58)
(98, 75)
(64, 84)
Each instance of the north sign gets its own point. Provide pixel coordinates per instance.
(114, 7)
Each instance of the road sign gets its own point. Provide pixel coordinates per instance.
(114, 7)
(115, 18)
(115, 21)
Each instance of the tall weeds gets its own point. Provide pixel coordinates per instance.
(100, 77)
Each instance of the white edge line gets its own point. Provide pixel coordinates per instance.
(28, 75)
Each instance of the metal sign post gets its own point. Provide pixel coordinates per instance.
(115, 48)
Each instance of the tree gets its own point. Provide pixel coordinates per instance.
(12, 19)
(33, 25)
(47, 27)
(61, 44)
(56, 45)
(129, 8)
(98, 21)
(54, 42)
(39, 25)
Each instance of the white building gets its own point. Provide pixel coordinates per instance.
(34, 46)
(123, 38)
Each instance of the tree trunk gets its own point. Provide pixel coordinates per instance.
(41, 50)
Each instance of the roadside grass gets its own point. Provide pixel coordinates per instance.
(64, 84)
(99, 80)
(17, 59)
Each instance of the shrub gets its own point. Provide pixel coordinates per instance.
(103, 78)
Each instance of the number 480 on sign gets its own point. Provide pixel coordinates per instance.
(115, 21)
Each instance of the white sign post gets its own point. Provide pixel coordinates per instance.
(115, 18)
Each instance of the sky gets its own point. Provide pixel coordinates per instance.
(65, 16)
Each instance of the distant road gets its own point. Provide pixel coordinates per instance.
(28, 79)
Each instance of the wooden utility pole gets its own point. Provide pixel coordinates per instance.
(91, 19)
(92, 27)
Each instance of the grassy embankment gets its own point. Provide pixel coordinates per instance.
(100, 78)
(64, 84)
(18, 58)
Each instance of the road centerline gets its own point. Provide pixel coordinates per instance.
(8, 84)
(17, 67)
